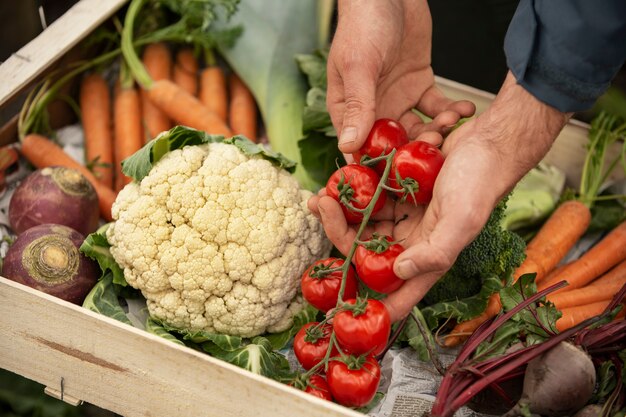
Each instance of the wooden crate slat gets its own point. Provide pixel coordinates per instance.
(132, 372)
(25, 65)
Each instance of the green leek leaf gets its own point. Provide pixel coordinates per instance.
(275, 32)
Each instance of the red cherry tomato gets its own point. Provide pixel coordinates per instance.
(355, 185)
(386, 134)
(311, 343)
(414, 168)
(320, 285)
(318, 387)
(365, 331)
(354, 384)
(374, 264)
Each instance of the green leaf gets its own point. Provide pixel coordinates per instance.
(320, 156)
(316, 116)
(200, 337)
(606, 215)
(534, 320)
(414, 337)
(141, 162)
(257, 357)
(605, 382)
(96, 246)
(506, 336)
(138, 165)
(155, 327)
(251, 149)
(465, 308)
(103, 299)
(314, 67)
(304, 316)
(378, 397)
(264, 57)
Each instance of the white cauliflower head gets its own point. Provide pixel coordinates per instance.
(217, 240)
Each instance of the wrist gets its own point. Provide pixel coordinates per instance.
(519, 129)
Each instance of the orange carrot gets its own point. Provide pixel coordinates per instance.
(186, 109)
(555, 238)
(128, 130)
(617, 274)
(607, 253)
(242, 115)
(555, 271)
(213, 92)
(186, 71)
(585, 295)
(574, 315)
(158, 62)
(42, 153)
(95, 107)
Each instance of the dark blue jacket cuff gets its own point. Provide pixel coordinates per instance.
(566, 52)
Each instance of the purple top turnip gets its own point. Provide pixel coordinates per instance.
(55, 195)
(47, 258)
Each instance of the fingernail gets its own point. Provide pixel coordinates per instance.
(406, 269)
(348, 135)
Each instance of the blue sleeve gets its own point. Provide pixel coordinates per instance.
(566, 52)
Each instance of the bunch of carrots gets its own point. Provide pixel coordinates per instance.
(118, 121)
(595, 277)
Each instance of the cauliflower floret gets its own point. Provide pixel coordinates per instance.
(217, 240)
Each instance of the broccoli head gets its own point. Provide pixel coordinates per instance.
(495, 251)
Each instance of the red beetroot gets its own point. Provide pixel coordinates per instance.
(47, 258)
(55, 195)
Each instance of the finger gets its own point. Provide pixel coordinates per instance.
(409, 120)
(312, 205)
(434, 138)
(337, 229)
(359, 108)
(442, 123)
(400, 302)
(433, 102)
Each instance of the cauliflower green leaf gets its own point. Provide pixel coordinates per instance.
(138, 165)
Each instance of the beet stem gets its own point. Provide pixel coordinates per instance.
(431, 352)
(509, 366)
(481, 334)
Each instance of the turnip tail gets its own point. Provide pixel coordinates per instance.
(559, 382)
(591, 410)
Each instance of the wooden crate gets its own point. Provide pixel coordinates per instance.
(80, 355)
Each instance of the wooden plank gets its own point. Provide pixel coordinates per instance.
(132, 372)
(568, 151)
(24, 65)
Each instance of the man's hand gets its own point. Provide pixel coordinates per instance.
(379, 67)
(485, 158)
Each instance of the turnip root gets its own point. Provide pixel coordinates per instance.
(591, 410)
(557, 383)
(47, 258)
(55, 195)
